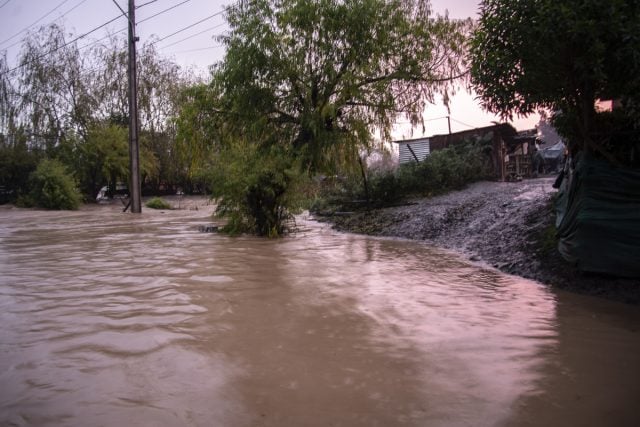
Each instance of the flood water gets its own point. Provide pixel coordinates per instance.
(112, 319)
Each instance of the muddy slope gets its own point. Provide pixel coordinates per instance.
(506, 225)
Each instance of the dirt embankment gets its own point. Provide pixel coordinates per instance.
(506, 225)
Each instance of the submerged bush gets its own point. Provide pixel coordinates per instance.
(257, 189)
(52, 187)
(158, 203)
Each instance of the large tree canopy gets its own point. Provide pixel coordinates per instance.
(557, 55)
(320, 75)
(303, 87)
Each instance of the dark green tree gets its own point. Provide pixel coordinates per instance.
(560, 56)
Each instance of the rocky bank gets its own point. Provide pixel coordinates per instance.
(509, 226)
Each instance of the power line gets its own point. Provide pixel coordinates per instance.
(107, 23)
(78, 5)
(143, 20)
(464, 124)
(4, 4)
(103, 38)
(121, 10)
(405, 122)
(144, 4)
(58, 18)
(123, 13)
(196, 50)
(162, 11)
(38, 20)
(194, 35)
(64, 45)
(190, 26)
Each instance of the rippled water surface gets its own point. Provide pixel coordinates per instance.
(113, 319)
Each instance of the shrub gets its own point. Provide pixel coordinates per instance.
(444, 170)
(52, 187)
(257, 189)
(158, 203)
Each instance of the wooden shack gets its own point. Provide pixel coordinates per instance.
(511, 154)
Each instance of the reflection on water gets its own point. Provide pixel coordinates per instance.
(115, 319)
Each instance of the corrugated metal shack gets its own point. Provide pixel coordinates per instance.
(413, 150)
(511, 152)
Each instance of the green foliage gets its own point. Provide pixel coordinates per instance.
(319, 76)
(72, 105)
(558, 55)
(198, 128)
(444, 170)
(158, 203)
(257, 189)
(102, 157)
(52, 187)
(108, 146)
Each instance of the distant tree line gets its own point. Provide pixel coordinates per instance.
(67, 102)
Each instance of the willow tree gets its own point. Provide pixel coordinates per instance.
(315, 79)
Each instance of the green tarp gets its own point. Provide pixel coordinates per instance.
(598, 218)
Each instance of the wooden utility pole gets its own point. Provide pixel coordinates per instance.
(134, 151)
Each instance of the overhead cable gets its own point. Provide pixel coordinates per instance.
(58, 18)
(464, 124)
(131, 24)
(38, 20)
(194, 35)
(140, 21)
(65, 45)
(190, 26)
(163, 11)
(144, 4)
(196, 50)
(4, 4)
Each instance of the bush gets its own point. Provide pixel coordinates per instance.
(158, 203)
(52, 187)
(444, 170)
(257, 189)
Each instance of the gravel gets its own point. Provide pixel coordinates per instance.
(506, 225)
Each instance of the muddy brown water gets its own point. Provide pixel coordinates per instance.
(112, 319)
